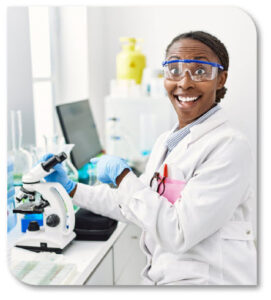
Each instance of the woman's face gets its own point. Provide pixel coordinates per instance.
(204, 92)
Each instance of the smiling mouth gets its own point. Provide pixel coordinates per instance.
(186, 99)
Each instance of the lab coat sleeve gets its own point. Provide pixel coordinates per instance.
(207, 204)
(100, 199)
(144, 179)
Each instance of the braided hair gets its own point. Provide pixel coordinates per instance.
(215, 45)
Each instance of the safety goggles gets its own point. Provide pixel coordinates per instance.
(197, 69)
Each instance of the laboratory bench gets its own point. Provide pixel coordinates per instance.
(117, 261)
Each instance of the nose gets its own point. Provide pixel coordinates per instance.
(186, 81)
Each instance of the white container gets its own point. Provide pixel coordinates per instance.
(136, 130)
(148, 127)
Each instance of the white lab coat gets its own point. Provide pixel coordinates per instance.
(206, 237)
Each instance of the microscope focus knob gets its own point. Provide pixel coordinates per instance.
(53, 220)
(33, 226)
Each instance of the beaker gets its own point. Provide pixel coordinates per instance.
(67, 164)
(119, 141)
(148, 125)
(11, 217)
(22, 159)
(117, 144)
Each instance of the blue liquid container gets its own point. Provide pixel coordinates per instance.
(83, 176)
(87, 174)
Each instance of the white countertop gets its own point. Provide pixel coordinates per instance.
(86, 255)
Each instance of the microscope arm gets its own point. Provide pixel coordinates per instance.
(69, 207)
(60, 201)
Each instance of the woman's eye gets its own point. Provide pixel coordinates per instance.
(174, 71)
(200, 71)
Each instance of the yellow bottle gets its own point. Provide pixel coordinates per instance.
(130, 61)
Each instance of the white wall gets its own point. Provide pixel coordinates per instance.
(97, 65)
(19, 73)
(72, 54)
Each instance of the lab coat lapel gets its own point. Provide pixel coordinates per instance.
(196, 132)
(161, 151)
(215, 120)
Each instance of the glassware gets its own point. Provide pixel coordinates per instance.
(51, 144)
(92, 174)
(83, 175)
(119, 141)
(67, 164)
(36, 152)
(22, 159)
(147, 137)
(73, 174)
(117, 144)
(11, 217)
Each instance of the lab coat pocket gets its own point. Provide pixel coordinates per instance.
(187, 273)
(238, 253)
(172, 189)
(237, 230)
(175, 173)
(174, 184)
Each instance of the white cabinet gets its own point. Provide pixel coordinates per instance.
(128, 258)
(103, 274)
(123, 263)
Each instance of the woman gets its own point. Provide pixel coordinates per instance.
(195, 223)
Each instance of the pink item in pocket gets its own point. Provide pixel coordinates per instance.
(173, 189)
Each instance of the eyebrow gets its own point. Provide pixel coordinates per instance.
(174, 56)
(201, 57)
(196, 57)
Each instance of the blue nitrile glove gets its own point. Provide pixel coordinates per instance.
(59, 175)
(109, 167)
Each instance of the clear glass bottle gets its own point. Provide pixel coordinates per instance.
(92, 173)
(117, 141)
(11, 217)
(67, 164)
(22, 159)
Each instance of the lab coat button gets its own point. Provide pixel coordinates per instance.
(248, 232)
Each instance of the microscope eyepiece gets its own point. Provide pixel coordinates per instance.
(62, 156)
(51, 162)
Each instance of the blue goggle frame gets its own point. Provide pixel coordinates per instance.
(167, 62)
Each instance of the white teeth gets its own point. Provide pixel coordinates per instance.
(186, 99)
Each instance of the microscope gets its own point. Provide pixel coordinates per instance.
(51, 200)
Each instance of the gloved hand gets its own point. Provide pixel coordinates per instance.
(109, 167)
(59, 175)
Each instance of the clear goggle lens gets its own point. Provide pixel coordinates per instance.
(198, 71)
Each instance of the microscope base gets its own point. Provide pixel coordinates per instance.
(41, 249)
(42, 242)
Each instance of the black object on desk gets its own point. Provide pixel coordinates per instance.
(92, 227)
